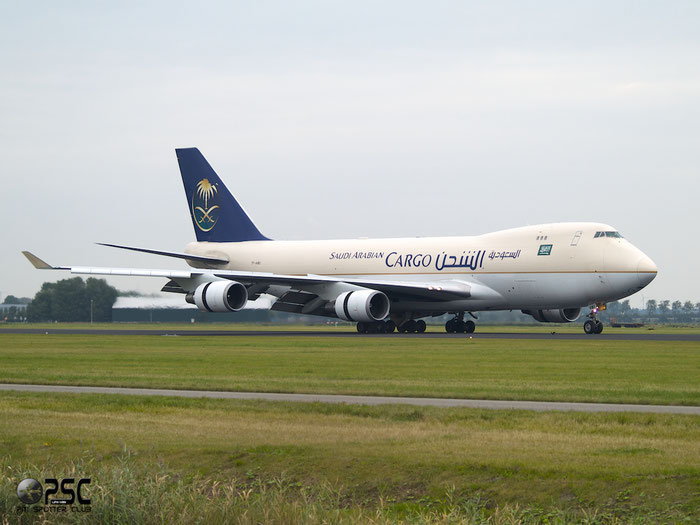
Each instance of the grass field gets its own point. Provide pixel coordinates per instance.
(168, 460)
(595, 370)
(311, 462)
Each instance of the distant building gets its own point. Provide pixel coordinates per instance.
(19, 307)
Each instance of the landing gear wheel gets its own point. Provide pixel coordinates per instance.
(409, 326)
(469, 327)
(594, 325)
(457, 326)
(361, 328)
(389, 327)
(420, 326)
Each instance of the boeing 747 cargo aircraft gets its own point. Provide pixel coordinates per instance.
(549, 271)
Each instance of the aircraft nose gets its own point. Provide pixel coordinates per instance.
(646, 270)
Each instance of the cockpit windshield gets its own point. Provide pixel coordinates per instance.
(614, 235)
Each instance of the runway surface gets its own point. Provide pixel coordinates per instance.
(540, 406)
(334, 333)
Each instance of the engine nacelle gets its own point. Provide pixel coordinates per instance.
(220, 296)
(362, 305)
(565, 315)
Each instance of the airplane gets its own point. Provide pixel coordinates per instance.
(549, 271)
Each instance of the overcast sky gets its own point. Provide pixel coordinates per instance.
(347, 119)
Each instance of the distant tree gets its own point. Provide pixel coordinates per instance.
(103, 297)
(614, 307)
(12, 314)
(676, 309)
(664, 307)
(688, 308)
(40, 308)
(651, 307)
(11, 299)
(69, 300)
(697, 307)
(625, 309)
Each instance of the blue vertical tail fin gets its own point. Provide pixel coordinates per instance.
(216, 215)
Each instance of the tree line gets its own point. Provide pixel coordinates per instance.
(664, 311)
(73, 300)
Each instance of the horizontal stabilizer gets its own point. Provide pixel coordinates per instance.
(177, 255)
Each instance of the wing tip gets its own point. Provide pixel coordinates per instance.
(36, 262)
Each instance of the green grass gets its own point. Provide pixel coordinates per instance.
(569, 328)
(166, 460)
(583, 370)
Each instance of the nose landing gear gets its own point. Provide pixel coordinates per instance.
(594, 325)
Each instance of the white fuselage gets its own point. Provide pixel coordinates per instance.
(561, 265)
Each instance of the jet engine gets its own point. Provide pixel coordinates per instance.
(565, 315)
(220, 296)
(362, 305)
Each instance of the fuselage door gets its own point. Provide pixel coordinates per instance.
(577, 237)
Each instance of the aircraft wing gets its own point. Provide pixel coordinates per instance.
(445, 290)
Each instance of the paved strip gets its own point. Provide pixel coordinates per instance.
(539, 406)
(311, 333)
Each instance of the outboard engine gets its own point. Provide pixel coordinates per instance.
(362, 305)
(219, 296)
(565, 315)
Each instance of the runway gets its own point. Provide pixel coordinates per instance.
(336, 333)
(540, 406)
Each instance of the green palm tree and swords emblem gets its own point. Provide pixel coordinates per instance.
(205, 190)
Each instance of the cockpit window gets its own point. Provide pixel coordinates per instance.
(614, 235)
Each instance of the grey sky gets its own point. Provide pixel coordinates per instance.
(347, 119)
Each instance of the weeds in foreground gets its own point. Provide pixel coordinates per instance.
(128, 491)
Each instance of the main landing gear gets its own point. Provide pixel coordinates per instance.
(388, 326)
(459, 326)
(378, 327)
(593, 325)
(413, 326)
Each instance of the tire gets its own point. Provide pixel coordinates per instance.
(420, 326)
(598, 327)
(450, 326)
(589, 327)
(361, 328)
(460, 327)
(469, 327)
(389, 327)
(410, 326)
